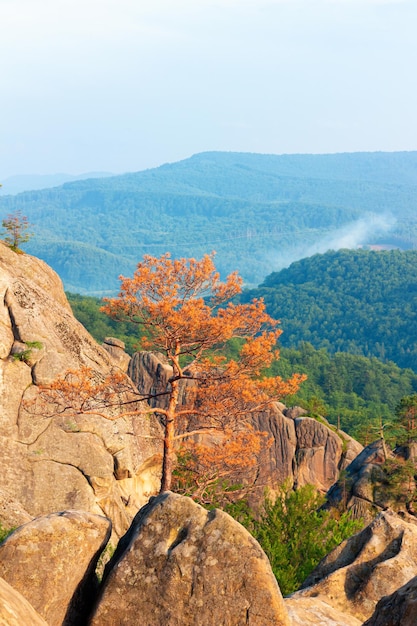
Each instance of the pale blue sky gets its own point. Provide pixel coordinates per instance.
(122, 85)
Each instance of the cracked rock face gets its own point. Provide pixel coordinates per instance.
(182, 565)
(55, 463)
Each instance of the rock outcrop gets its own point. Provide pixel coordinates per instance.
(182, 565)
(51, 561)
(377, 479)
(364, 487)
(369, 565)
(116, 349)
(58, 462)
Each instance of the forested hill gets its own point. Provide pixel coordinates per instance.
(259, 212)
(357, 301)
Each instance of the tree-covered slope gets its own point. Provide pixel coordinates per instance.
(259, 212)
(357, 301)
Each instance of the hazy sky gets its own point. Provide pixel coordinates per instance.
(122, 85)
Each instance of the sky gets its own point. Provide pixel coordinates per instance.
(125, 85)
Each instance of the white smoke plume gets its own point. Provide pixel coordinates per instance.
(365, 230)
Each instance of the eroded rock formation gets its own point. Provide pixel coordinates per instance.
(367, 486)
(116, 349)
(397, 609)
(369, 565)
(179, 564)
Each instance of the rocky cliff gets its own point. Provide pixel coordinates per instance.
(177, 565)
(54, 463)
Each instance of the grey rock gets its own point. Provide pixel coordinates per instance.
(397, 609)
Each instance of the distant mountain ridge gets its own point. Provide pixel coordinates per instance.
(30, 182)
(259, 212)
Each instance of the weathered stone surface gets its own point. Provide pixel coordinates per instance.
(116, 349)
(12, 514)
(367, 566)
(276, 462)
(397, 609)
(317, 455)
(293, 412)
(15, 610)
(51, 561)
(363, 488)
(51, 462)
(182, 565)
(316, 612)
(150, 372)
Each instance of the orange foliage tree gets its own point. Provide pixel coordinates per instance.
(187, 314)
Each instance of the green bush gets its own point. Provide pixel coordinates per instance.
(295, 533)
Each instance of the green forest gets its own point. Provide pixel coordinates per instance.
(356, 301)
(258, 212)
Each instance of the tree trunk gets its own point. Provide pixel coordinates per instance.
(168, 461)
(169, 456)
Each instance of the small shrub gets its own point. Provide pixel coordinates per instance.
(105, 557)
(5, 532)
(25, 355)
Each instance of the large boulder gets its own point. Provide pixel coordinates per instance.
(54, 462)
(365, 567)
(116, 348)
(15, 610)
(182, 565)
(51, 561)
